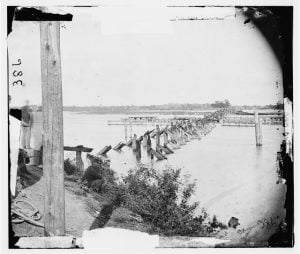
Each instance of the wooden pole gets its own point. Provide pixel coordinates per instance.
(134, 142)
(79, 162)
(258, 134)
(138, 150)
(165, 138)
(157, 137)
(130, 125)
(148, 143)
(260, 130)
(53, 145)
(125, 132)
(145, 141)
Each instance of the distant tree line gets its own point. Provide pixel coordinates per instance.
(221, 104)
(277, 106)
(175, 107)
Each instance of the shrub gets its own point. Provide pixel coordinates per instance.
(100, 179)
(69, 167)
(163, 200)
(160, 197)
(97, 185)
(216, 224)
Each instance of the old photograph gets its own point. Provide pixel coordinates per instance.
(149, 126)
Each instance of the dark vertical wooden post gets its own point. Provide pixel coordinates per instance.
(157, 137)
(181, 135)
(130, 125)
(145, 141)
(148, 143)
(165, 137)
(258, 135)
(134, 143)
(79, 162)
(53, 151)
(125, 132)
(138, 150)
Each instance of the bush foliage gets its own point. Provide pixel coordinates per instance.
(69, 167)
(101, 179)
(162, 198)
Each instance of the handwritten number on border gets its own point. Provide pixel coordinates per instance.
(19, 62)
(18, 82)
(17, 74)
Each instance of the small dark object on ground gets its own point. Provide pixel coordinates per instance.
(233, 222)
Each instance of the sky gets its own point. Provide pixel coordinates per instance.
(145, 59)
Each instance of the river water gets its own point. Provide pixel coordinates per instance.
(233, 176)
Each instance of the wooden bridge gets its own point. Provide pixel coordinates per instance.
(139, 120)
(249, 121)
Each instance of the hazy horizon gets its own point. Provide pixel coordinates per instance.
(166, 104)
(188, 62)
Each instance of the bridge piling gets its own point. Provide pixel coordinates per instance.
(157, 137)
(145, 141)
(134, 146)
(148, 143)
(165, 135)
(258, 134)
(125, 126)
(138, 150)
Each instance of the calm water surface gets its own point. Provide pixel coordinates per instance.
(234, 177)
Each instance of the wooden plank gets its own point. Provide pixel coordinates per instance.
(148, 132)
(129, 143)
(152, 134)
(53, 152)
(104, 150)
(119, 146)
(60, 242)
(93, 158)
(189, 242)
(80, 148)
(158, 155)
(168, 148)
(163, 149)
(98, 159)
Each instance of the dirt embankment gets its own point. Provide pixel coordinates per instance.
(84, 208)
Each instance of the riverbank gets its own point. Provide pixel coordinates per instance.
(85, 208)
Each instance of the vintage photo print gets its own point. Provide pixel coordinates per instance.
(148, 125)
